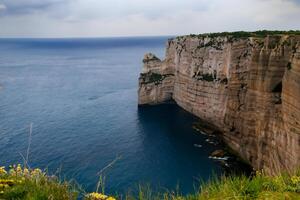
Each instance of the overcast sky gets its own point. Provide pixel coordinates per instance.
(97, 18)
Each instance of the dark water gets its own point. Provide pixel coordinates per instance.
(81, 96)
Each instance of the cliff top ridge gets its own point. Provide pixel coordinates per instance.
(244, 34)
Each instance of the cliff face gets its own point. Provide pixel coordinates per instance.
(248, 88)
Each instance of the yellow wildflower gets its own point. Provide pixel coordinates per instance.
(26, 171)
(12, 172)
(36, 172)
(19, 169)
(4, 186)
(8, 182)
(3, 171)
(259, 172)
(295, 180)
(110, 198)
(278, 180)
(97, 196)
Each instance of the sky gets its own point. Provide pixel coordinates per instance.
(102, 18)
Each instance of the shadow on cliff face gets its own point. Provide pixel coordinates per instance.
(169, 129)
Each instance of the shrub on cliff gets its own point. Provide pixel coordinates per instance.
(152, 77)
(245, 34)
(19, 183)
(23, 183)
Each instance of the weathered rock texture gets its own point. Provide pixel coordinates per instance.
(248, 88)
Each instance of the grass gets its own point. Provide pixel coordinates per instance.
(34, 184)
(260, 186)
(23, 184)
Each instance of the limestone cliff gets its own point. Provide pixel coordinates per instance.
(247, 87)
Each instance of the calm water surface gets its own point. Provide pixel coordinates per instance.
(81, 96)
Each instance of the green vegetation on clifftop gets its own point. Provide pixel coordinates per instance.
(244, 34)
(21, 183)
(262, 187)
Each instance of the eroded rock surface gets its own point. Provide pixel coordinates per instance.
(248, 88)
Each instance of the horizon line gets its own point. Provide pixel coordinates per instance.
(85, 37)
(137, 36)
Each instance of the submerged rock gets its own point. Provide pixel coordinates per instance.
(198, 145)
(218, 153)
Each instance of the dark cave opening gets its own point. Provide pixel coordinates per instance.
(278, 88)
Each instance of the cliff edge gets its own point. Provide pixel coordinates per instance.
(247, 85)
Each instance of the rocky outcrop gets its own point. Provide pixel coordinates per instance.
(246, 87)
(156, 82)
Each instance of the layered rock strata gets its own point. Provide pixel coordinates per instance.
(246, 87)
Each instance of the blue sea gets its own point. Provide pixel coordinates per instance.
(81, 97)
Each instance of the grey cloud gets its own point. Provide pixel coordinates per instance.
(76, 18)
(20, 7)
(2, 7)
(297, 1)
(87, 9)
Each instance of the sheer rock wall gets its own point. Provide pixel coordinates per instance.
(248, 88)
